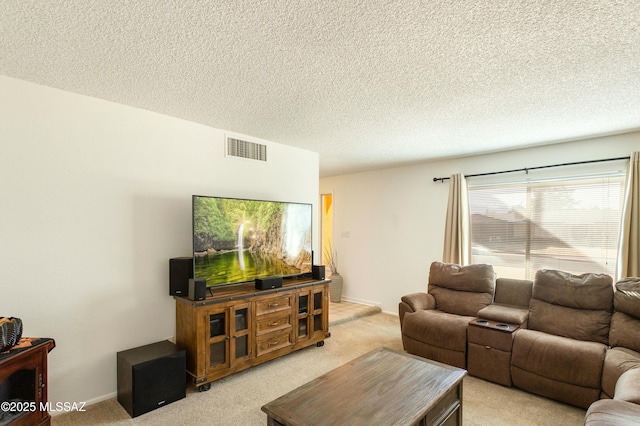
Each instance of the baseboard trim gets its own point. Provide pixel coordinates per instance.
(361, 301)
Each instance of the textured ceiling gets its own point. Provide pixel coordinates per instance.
(366, 83)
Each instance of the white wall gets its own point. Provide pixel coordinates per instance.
(394, 218)
(95, 198)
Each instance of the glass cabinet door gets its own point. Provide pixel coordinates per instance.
(304, 316)
(320, 315)
(241, 344)
(218, 342)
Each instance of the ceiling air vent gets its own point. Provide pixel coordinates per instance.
(244, 149)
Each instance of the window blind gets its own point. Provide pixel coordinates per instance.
(568, 224)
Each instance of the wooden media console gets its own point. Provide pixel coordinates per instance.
(238, 326)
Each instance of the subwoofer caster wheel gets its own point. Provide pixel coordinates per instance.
(320, 343)
(205, 387)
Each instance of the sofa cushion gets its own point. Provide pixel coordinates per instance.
(586, 291)
(557, 367)
(617, 361)
(575, 306)
(628, 387)
(461, 290)
(436, 335)
(459, 302)
(627, 296)
(510, 314)
(625, 331)
(608, 412)
(580, 324)
(477, 278)
(514, 292)
(559, 358)
(437, 328)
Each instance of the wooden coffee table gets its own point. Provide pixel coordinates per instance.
(382, 387)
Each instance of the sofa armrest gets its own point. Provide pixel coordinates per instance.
(419, 301)
(415, 302)
(608, 412)
(628, 386)
(505, 313)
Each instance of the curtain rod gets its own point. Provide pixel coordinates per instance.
(526, 169)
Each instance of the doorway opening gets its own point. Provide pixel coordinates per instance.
(326, 227)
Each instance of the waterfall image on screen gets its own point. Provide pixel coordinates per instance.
(237, 240)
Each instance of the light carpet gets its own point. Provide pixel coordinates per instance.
(236, 400)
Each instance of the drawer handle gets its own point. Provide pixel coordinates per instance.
(487, 347)
(273, 305)
(274, 343)
(273, 324)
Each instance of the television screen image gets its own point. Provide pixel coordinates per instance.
(239, 240)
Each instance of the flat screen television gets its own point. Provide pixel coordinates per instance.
(238, 240)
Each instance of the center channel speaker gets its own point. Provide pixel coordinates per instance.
(267, 283)
(151, 376)
(197, 289)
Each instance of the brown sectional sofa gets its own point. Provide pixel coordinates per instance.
(572, 338)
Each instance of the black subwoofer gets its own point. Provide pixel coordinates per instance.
(151, 376)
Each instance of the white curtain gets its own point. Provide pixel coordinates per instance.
(457, 237)
(628, 264)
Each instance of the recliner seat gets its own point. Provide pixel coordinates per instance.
(562, 353)
(434, 324)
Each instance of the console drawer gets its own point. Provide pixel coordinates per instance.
(273, 322)
(273, 341)
(486, 336)
(276, 303)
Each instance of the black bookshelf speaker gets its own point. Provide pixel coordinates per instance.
(151, 376)
(180, 271)
(317, 272)
(197, 289)
(269, 282)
